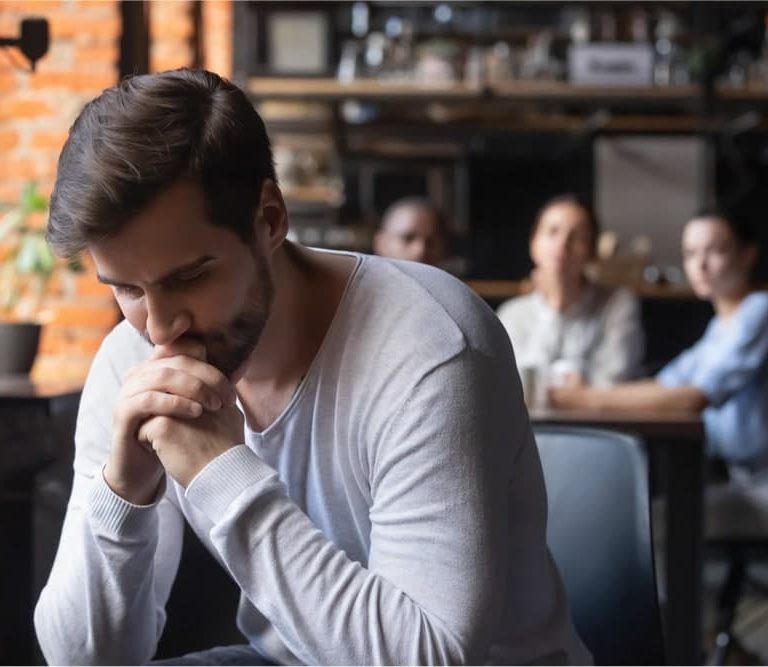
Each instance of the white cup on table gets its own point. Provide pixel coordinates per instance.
(535, 380)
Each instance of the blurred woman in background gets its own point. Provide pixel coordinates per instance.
(581, 332)
(725, 374)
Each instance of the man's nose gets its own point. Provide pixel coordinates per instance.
(164, 322)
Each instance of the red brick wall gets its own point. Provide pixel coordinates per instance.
(37, 109)
(171, 34)
(217, 36)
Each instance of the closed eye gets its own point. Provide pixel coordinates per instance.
(183, 281)
(128, 290)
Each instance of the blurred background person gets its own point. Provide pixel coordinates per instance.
(725, 374)
(576, 331)
(415, 229)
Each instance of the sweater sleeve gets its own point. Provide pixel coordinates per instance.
(433, 587)
(104, 599)
(735, 359)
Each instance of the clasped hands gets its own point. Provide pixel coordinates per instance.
(175, 413)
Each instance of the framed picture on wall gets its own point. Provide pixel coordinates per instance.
(291, 39)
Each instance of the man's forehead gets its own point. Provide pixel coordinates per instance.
(706, 229)
(171, 230)
(412, 215)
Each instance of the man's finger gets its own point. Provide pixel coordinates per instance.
(183, 346)
(143, 436)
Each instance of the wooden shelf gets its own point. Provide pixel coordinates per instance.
(568, 91)
(332, 89)
(393, 148)
(675, 108)
(313, 194)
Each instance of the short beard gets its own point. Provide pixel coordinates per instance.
(227, 348)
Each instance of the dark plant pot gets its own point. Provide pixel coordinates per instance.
(18, 346)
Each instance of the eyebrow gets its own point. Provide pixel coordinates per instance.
(173, 273)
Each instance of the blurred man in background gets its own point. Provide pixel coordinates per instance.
(415, 229)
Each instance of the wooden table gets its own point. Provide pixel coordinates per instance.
(677, 441)
(34, 417)
(22, 387)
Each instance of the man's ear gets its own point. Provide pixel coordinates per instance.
(271, 223)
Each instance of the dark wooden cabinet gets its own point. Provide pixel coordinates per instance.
(36, 448)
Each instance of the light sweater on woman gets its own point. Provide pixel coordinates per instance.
(601, 335)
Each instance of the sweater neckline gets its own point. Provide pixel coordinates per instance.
(312, 371)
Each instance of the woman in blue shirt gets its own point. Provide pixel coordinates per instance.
(725, 374)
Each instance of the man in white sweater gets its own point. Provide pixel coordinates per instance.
(345, 434)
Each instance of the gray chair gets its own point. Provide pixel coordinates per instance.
(598, 529)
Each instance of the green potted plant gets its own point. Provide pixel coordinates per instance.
(27, 269)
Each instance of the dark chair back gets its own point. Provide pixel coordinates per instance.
(598, 529)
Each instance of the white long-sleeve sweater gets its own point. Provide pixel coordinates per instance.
(393, 513)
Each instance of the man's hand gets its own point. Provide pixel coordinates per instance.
(174, 383)
(184, 447)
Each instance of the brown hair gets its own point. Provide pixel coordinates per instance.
(740, 227)
(140, 137)
(579, 202)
